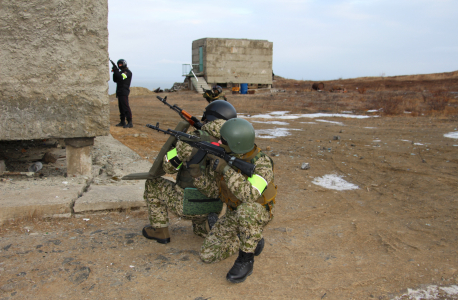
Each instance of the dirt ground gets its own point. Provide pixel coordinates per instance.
(397, 231)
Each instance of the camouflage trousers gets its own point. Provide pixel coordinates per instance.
(162, 195)
(237, 229)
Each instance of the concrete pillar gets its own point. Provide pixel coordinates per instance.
(79, 159)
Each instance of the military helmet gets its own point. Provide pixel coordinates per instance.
(239, 135)
(218, 88)
(122, 62)
(219, 109)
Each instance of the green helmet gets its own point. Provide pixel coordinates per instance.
(239, 135)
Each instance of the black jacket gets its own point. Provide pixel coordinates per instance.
(122, 82)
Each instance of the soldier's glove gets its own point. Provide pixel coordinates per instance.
(194, 170)
(218, 164)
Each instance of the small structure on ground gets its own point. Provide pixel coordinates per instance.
(229, 63)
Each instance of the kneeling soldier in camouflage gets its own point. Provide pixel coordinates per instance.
(250, 201)
(162, 194)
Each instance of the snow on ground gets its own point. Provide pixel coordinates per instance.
(273, 133)
(452, 135)
(272, 122)
(278, 132)
(334, 182)
(284, 115)
(333, 122)
(430, 292)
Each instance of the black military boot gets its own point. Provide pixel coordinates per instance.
(259, 247)
(121, 124)
(128, 125)
(243, 267)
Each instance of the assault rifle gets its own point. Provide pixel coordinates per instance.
(114, 65)
(208, 95)
(208, 92)
(183, 114)
(207, 148)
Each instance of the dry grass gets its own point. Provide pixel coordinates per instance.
(439, 100)
(362, 90)
(429, 95)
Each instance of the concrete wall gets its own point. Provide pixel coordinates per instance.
(235, 60)
(54, 56)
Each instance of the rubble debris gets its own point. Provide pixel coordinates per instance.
(6, 173)
(318, 86)
(338, 89)
(50, 157)
(35, 167)
(305, 166)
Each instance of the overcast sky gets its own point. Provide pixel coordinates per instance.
(312, 39)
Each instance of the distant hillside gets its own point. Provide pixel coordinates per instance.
(435, 81)
(433, 76)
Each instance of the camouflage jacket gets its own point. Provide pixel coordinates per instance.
(236, 182)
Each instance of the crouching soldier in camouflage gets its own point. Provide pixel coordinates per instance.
(216, 93)
(250, 201)
(162, 194)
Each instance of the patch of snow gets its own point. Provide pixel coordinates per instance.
(334, 182)
(273, 133)
(452, 135)
(283, 115)
(430, 292)
(279, 113)
(272, 122)
(333, 122)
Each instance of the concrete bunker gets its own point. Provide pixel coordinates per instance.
(229, 63)
(55, 75)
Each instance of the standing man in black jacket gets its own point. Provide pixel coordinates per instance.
(123, 77)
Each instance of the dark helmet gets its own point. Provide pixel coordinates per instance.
(239, 135)
(219, 109)
(218, 89)
(122, 62)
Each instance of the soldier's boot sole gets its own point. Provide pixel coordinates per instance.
(160, 235)
(240, 279)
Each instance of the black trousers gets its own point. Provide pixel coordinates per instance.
(124, 108)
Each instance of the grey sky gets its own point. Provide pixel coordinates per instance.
(312, 39)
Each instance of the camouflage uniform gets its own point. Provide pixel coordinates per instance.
(241, 227)
(162, 194)
(211, 97)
